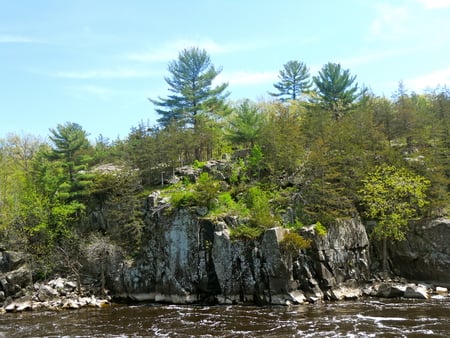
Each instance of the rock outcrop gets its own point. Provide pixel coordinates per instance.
(425, 254)
(188, 258)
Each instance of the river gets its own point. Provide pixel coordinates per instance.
(362, 318)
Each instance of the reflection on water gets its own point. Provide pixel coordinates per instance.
(394, 318)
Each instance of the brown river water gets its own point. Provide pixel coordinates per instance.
(362, 318)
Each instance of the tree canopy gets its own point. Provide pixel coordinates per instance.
(190, 82)
(294, 81)
(336, 88)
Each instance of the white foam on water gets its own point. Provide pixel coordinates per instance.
(380, 319)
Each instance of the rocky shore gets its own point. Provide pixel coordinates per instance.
(61, 294)
(56, 294)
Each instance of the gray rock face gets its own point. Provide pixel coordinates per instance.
(340, 256)
(188, 258)
(425, 254)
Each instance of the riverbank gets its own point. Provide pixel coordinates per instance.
(54, 295)
(62, 294)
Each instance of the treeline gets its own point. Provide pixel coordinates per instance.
(309, 150)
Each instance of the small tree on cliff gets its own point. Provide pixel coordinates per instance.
(392, 196)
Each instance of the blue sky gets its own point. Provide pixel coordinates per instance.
(96, 62)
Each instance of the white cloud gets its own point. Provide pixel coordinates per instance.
(245, 78)
(430, 80)
(104, 74)
(390, 22)
(170, 51)
(435, 4)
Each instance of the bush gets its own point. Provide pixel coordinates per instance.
(206, 190)
(258, 203)
(226, 205)
(297, 225)
(320, 229)
(293, 242)
(245, 231)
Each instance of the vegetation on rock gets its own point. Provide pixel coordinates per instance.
(278, 162)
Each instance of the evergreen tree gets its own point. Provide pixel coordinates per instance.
(335, 88)
(294, 80)
(68, 140)
(190, 81)
(245, 124)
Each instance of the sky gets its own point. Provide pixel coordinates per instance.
(96, 62)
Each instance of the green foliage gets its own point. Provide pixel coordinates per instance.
(198, 164)
(255, 161)
(392, 196)
(227, 205)
(320, 229)
(257, 200)
(297, 225)
(245, 124)
(282, 138)
(190, 81)
(116, 196)
(292, 242)
(245, 231)
(182, 198)
(294, 80)
(68, 139)
(335, 88)
(206, 190)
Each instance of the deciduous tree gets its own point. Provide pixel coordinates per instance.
(392, 196)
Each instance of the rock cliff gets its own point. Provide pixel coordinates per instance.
(189, 258)
(425, 254)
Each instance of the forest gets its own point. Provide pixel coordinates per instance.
(322, 147)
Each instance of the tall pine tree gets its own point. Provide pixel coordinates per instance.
(294, 80)
(190, 82)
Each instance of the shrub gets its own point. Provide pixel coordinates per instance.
(297, 225)
(227, 205)
(320, 229)
(245, 231)
(198, 164)
(182, 198)
(258, 202)
(293, 242)
(206, 190)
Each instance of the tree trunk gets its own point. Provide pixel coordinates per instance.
(385, 267)
(102, 277)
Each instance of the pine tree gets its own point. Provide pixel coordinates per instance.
(190, 82)
(245, 124)
(335, 88)
(294, 80)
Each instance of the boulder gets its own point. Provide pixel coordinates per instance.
(346, 291)
(11, 260)
(416, 292)
(13, 281)
(390, 290)
(46, 293)
(441, 291)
